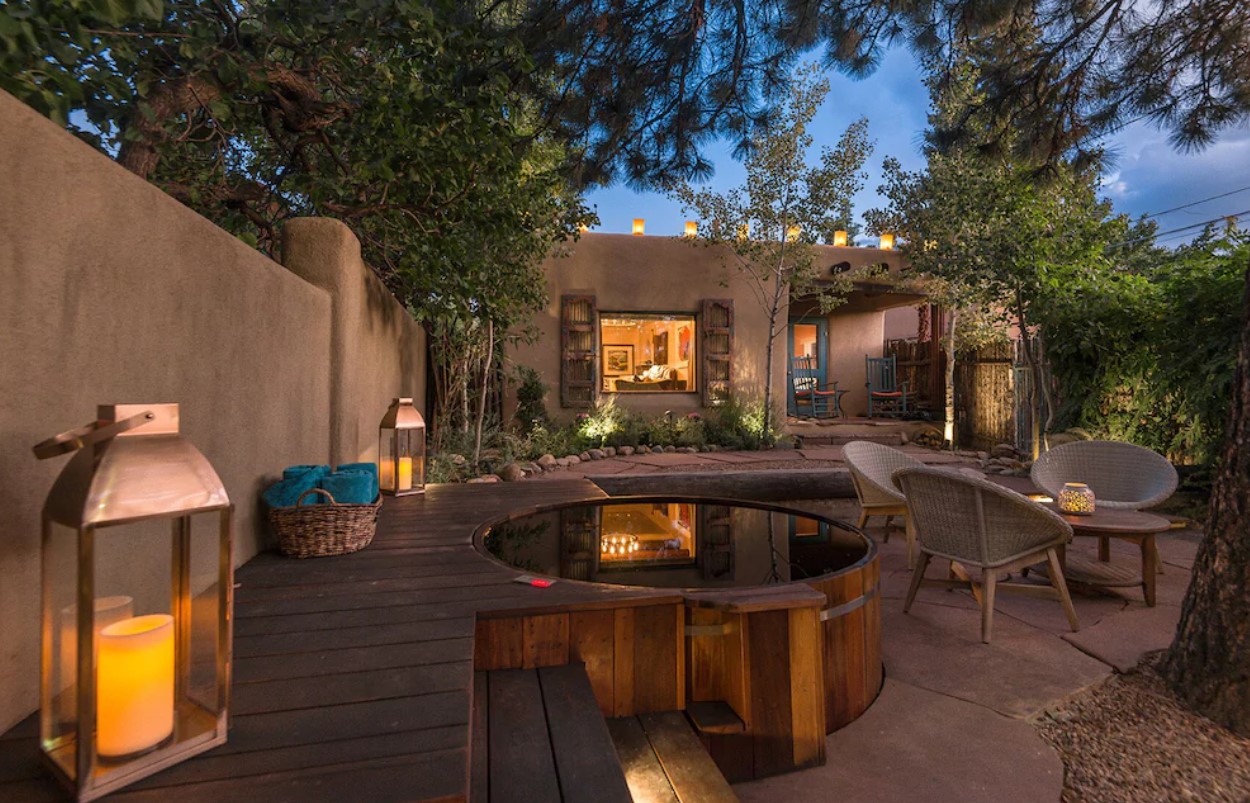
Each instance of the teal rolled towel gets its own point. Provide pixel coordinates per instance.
(291, 472)
(286, 492)
(350, 487)
(371, 468)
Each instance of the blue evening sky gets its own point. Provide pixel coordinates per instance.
(1147, 176)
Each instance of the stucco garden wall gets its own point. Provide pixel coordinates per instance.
(115, 292)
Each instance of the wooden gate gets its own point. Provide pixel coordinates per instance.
(985, 397)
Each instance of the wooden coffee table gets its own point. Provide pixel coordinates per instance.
(1133, 526)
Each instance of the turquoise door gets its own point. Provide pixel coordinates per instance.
(808, 337)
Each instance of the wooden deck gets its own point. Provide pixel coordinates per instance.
(353, 676)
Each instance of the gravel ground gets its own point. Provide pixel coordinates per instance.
(1131, 740)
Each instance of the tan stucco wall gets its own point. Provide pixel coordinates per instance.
(852, 336)
(669, 274)
(377, 350)
(115, 292)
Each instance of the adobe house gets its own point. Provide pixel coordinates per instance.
(664, 324)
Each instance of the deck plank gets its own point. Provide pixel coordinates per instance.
(694, 776)
(522, 767)
(643, 772)
(354, 675)
(579, 738)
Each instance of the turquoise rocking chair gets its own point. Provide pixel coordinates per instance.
(886, 395)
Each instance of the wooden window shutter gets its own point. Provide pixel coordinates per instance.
(716, 343)
(579, 351)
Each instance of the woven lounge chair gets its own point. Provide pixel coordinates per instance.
(872, 466)
(973, 522)
(1121, 475)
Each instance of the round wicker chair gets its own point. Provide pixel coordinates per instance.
(872, 465)
(1121, 475)
(973, 522)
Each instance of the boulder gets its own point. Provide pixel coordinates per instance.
(562, 462)
(595, 454)
(686, 449)
(548, 462)
(584, 457)
(511, 473)
(484, 479)
(573, 460)
(609, 451)
(625, 451)
(1003, 450)
(644, 450)
(670, 449)
(459, 459)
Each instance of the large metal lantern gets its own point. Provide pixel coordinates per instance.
(136, 601)
(401, 450)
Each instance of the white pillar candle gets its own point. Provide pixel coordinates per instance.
(108, 610)
(405, 473)
(135, 685)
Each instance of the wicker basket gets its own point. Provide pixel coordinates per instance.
(315, 531)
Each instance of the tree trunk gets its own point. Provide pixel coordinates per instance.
(1035, 372)
(1208, 664)
(948, 394)
(481, 406)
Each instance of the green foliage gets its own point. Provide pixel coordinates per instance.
(531, 392)
(765, 228)
(1148, 355)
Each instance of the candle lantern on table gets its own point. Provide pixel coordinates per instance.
(401, 450)
(1076, 498)
(136, 602)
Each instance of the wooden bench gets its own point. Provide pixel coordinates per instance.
(665, 762)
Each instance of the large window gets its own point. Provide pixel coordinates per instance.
(647, 352)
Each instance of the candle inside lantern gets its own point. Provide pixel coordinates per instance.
(135, 685)
(405, 474)
(1076, 498)
(108, 610)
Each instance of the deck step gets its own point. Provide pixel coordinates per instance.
(538, 734)
(664, 760)
(714, 716)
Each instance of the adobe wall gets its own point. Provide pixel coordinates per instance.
(115, 292)
(629, 273)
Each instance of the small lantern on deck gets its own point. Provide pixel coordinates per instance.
(639, 226)
(839, 237)
(887, 242)
(1076, 498)
(136, 603)
(692, 229)
(792, 233)
(401, 450)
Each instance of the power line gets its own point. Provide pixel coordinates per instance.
(1157, 235)
(1195, 203)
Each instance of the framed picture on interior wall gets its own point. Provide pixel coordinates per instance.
(618, 360)
(659, 346)
(683, 343)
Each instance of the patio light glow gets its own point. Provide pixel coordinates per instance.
(744, 231)
(639, 225)
(692, 229)
(1076, 498)
(887, 242)
(792, 233)
(839, 237)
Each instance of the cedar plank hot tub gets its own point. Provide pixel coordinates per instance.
(762, 623)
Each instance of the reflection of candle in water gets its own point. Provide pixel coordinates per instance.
(135, 685)
(107, 611)
(405, 473)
